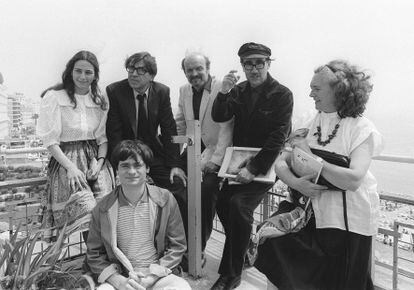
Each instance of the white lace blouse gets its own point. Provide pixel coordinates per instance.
(60, 122)
(362, 204)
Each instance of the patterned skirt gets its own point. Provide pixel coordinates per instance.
(62, 205)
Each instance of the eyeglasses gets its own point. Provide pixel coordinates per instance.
(139, 70)
(249, 65)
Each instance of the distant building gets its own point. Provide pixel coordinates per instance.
(4, 118)
(30, 109)
(15, 114)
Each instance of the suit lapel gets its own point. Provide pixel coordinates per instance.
(189, 104)
(130, 108)
(152, 106)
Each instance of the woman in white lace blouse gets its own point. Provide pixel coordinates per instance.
(72, 126)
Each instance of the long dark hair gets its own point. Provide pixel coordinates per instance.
(69, 86)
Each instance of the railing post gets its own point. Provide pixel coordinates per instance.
(265, 207)
(395, 257)
(193, 140)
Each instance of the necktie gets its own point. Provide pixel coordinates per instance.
(142, 128)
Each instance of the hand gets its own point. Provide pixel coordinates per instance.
(244, 176)
(131, 284)
(211, 167)
(76, 178)
(94, 169)
(229, 81)
(148, 281)
(176, 171)
(123, 283)
(308, 188)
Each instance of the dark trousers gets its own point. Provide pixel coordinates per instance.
(235, 206)
(209, 192)
(160, 174)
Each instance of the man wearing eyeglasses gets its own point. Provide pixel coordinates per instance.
(138, 108)
(262, 111)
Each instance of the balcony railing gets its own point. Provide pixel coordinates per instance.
(402, 277)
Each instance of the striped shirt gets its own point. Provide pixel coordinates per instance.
(134, 232)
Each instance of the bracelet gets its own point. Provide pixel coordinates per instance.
(99, 158)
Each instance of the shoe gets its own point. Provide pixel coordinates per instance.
(226, 283)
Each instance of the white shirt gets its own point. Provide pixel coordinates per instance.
(362, 204)
(60, 122)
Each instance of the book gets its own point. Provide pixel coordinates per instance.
(304, 163)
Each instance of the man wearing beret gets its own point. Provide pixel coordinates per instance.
(262, 111)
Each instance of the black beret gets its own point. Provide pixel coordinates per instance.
(254, 48)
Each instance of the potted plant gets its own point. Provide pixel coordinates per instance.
(24, 269)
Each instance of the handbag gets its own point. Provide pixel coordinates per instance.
(333, 158)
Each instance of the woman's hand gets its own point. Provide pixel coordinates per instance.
(306, 186)
(94, 169)
(76, 178)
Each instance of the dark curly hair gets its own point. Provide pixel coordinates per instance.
(351, 86)
(69, 86)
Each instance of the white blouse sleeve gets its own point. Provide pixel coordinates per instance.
(363, 130)
(49, 127)
(100, 132)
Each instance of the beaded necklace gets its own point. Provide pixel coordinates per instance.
(330, 136)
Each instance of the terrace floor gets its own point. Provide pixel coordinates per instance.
(251, 278)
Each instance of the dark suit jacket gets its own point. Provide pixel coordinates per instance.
(121, 124)
(265, 127)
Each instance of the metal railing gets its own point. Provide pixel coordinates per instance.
(268, 206)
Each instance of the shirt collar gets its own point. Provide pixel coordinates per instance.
(123, 201)
(146, 93)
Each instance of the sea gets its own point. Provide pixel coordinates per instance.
(398, 133)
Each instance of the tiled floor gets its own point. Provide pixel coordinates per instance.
(251, 279)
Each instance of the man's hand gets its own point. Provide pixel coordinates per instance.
(211, 167)
(148, 281)
(244, 176)
(176, 171)
(306, 186)
(229, 81)
(123, 283)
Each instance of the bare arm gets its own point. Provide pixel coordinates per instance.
(302, 184)
(350, 178)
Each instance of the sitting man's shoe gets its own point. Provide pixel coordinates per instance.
(226, 283)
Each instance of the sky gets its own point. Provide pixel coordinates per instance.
(37, 38)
